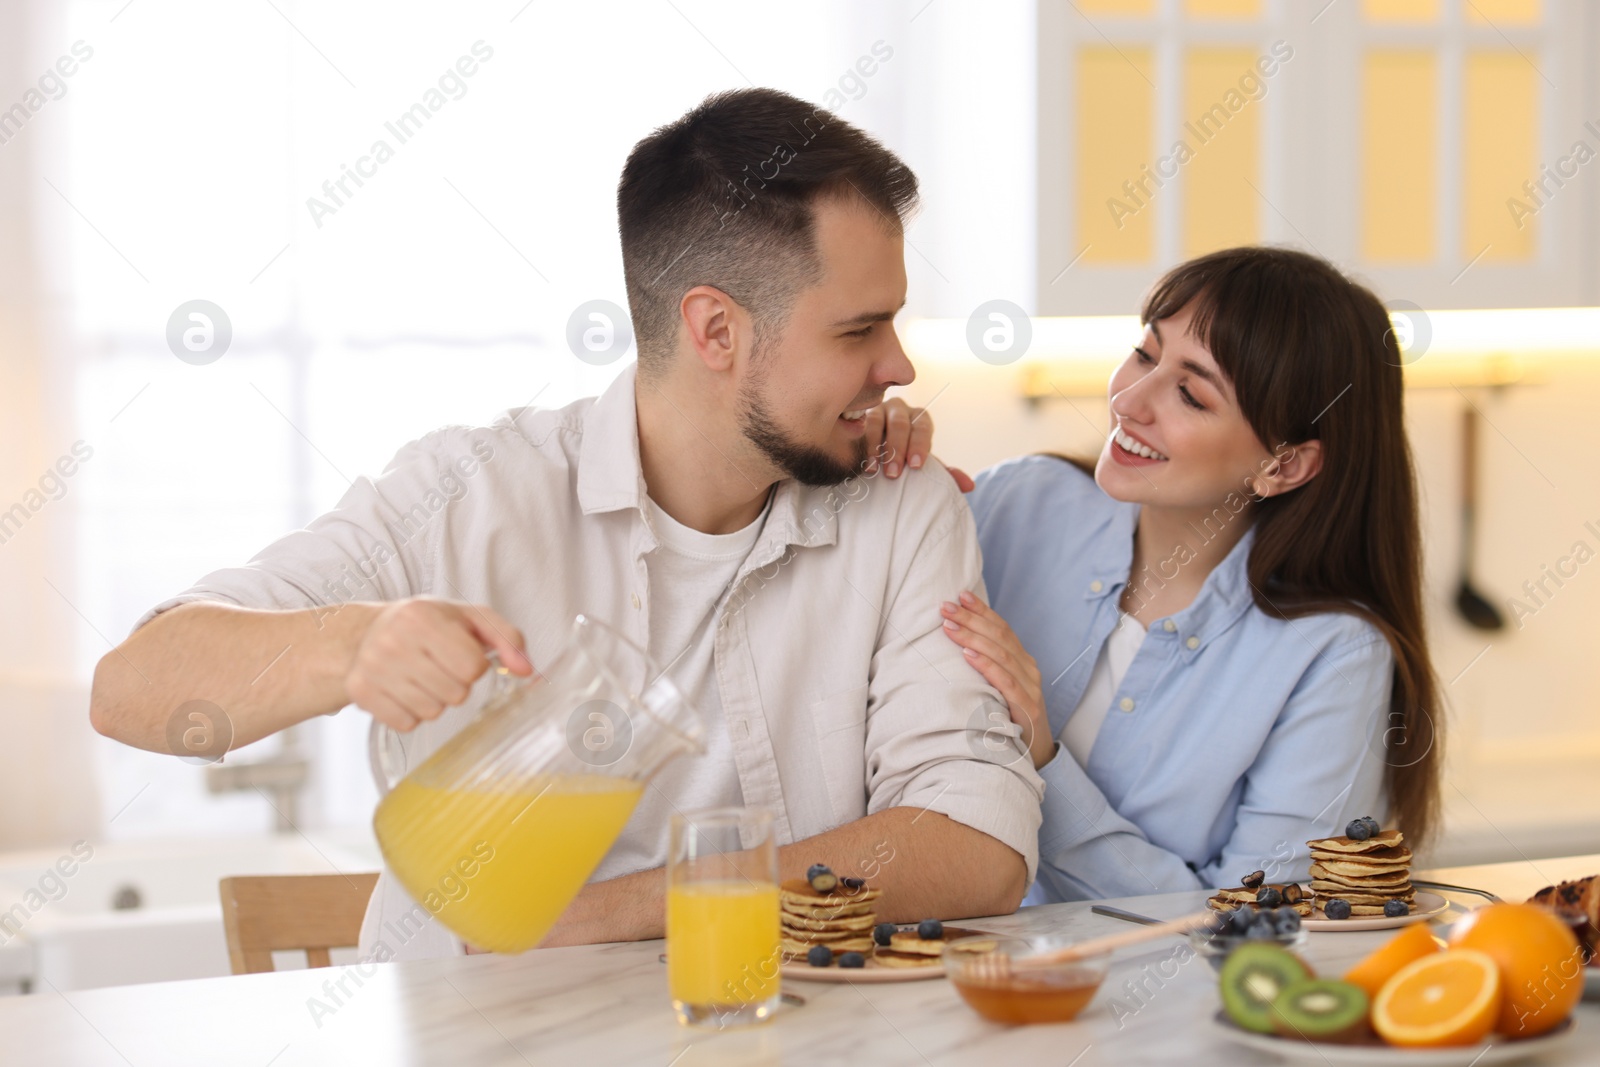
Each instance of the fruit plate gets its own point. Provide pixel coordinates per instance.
(1323, 1054)
(1425, 906)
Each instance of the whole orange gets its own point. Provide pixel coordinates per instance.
(1541, 968)
(1412, 943)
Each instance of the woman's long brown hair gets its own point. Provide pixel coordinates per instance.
(1312, 356)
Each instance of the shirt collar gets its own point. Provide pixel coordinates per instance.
(1224, 596)
(611, 476)
(808, 516)
(1111, 573)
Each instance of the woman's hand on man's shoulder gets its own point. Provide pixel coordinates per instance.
(899, 437)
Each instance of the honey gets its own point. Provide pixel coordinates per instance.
(1054, 997)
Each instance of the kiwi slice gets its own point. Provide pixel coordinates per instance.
(1253, 976)
(1321, 1009)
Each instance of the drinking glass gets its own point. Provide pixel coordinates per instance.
(723, 942)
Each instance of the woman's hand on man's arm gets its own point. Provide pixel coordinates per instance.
(997, 654)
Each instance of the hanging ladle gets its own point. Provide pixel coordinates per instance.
(1473, 606)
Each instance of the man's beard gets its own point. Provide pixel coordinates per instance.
(803, 463)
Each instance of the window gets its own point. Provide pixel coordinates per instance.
(227, 154)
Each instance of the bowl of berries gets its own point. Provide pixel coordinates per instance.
(1244, 924)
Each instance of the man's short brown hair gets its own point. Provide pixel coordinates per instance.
(724, 197)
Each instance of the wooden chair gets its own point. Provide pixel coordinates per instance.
(315, 912)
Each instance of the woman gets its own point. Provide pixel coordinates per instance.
(1215, 646)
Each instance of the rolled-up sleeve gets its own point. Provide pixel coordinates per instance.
(376, 544)
(938, 737)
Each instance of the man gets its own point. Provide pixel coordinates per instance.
(692, 507)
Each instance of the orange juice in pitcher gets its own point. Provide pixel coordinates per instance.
(499, 866)
(496, 832)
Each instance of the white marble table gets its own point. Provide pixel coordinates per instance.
(607, 1004)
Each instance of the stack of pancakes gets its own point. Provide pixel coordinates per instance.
(841, 919)
(1367, 873)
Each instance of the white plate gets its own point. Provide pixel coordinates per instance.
(1322, 1054)
(876, 970)
(1426, 904)
(1591, 983)
(873, 973)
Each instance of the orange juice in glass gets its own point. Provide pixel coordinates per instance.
(723, 939)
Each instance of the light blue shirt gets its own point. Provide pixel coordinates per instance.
(1234, 737)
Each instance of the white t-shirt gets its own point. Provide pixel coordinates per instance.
(689, 574)
(1077, 737)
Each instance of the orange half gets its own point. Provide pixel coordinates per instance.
(1444, 998)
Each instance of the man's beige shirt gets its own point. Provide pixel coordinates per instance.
(841, 693)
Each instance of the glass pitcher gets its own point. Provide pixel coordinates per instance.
(497, 831)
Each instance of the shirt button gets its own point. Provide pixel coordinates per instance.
(1096, 585)
(636, 600)
(1193, 642)
(1169, 626)
(1126, 704)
